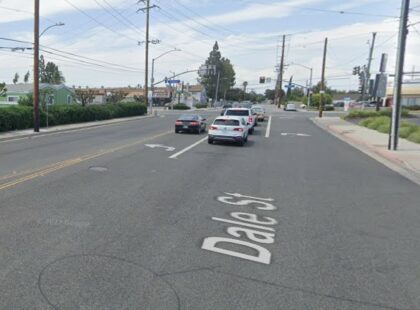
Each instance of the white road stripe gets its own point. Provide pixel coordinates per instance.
(267, 131)
(188, 148)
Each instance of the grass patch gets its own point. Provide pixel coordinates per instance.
(382, 124)
(370, 113)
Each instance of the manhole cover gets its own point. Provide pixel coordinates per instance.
(104, 282)
(98, 168)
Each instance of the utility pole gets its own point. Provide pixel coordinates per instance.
(146, 52)
(399, 71)
(217, 88)
(36, 67)
(367, 76)
(279, 87)
(322, 92)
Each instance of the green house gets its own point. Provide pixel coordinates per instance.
(55, 94)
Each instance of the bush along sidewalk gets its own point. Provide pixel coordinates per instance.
(382, 124)
(21, 117)
(181, 106)
(366, 113)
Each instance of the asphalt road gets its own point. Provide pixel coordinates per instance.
(95, 219)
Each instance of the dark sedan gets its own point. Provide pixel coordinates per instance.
(190, 123)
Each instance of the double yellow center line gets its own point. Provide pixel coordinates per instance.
(30, 175)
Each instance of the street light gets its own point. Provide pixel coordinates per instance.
(49, 27)
(153, 73)
(310, 80)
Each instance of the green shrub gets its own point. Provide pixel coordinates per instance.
(406, 129)
(15, 117)
(415, 136)
(181, 106)
(371, 113)
(21, 117)
(412, 107)
(201, 106)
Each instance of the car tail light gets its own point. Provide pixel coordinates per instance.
(238, 129)
(250, 120)
(213, 127)
(178, 123)
(194, 123)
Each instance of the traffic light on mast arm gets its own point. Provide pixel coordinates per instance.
(262, 79)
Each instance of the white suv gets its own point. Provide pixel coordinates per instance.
(250, 117)
(228, 128)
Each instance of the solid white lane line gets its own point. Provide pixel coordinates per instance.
(267, 131)
(188, 148)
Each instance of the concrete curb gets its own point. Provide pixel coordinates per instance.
(385, 157)
(76, 127)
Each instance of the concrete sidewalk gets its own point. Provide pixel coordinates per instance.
(405, 161)
(20, 134)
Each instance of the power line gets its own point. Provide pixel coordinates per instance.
(99, 22)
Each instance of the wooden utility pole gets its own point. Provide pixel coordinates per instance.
(367, 79)
(278, 95)
(36, 67)
(322, 92)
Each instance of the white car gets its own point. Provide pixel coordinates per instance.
(251, 117)
(228, 128)
(290, 107)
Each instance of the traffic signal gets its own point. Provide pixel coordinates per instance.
(166, 80)
(262, 79)
(356, 70)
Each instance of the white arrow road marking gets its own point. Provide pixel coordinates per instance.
(167, 148)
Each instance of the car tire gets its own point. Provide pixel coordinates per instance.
(198, 131)
(251, 131)
(246, 139)
(210, 141)
(241, 143)
(176, 131)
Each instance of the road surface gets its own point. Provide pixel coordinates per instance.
(295, 219)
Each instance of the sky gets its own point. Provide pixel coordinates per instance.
(98, 45)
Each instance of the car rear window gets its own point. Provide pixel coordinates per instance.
(237, 112)
(226, 122)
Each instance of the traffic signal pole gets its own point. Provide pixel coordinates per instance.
(399, 69)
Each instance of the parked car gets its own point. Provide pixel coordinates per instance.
(190, 123)
(230, 129)
(290, 107)
(246, 113)
(260, 113)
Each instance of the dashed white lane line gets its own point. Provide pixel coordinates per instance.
(267, 131)
(187, 148)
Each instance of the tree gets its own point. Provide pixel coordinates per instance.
(16, 78)
(49, 73)
(26, 100)
(44, 97)
(317, 88)
(26, 77)
(224, 68)
(3, 89)
(116, 96)
(85, 96)
(316, 98)
(296, 94)
(269, 94)
(235, 94)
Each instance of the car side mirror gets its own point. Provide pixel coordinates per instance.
(221, 114)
